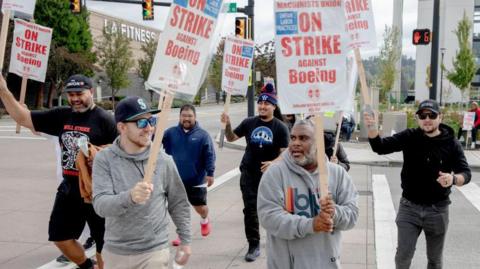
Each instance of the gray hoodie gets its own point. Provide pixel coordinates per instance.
(131, 228)
(288, 201)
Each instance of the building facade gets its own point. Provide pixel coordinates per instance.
(450, 14)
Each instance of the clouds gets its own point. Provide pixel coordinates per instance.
(264, 22)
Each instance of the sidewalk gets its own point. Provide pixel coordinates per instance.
(361, 153)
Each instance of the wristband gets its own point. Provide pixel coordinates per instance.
(454, 179)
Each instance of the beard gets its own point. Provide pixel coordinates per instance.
(307, 159)
(83, 106)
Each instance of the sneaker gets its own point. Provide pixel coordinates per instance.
(89, 243)
(472, 146)
(62, 259)
(253, 253)
(205, 228)
(176, 242)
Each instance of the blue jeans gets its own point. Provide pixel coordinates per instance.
(411, 220)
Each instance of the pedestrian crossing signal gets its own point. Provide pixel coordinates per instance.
(241, 27)
(147, 6)
(75, 6)
(421, 37)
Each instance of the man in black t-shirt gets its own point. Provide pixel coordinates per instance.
(266, 138)
(82, 120)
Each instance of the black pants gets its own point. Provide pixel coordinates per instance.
(249, 186)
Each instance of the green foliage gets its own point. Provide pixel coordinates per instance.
(265, 61)
(115, 57)
(464, 67)
(388, 57)
(71, 46)
(145, 64)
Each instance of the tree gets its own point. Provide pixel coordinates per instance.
(145, 64)
(388, 57)
(265, 60)
(115, 57)
(464, 66)
(71, 46)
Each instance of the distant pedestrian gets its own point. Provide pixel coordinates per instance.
(81, 120)
(289, 120)
(340, 157)
(194, 154)
(136, 234)
(473, 108)
(433, 162)
(266, 138)
(348, 126)
(304, 231)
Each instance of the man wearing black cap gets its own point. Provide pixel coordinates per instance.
(82, 120)
(433, 161)
(266, 138)
(136, 234)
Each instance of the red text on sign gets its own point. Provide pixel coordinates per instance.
(190, 22)
(312, 76)
(356, 5)
(310, 45)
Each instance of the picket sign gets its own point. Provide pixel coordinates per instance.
(23, 91)
(180, 61)
(337, 135)
(226, 108)
(3, 36)
(159, 131)
(322, 165)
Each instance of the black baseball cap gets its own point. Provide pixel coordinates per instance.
(429, 104)
(132, 107)
(78, 83)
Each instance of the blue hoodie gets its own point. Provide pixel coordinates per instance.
(193, 153)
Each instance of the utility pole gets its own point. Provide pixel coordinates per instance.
(248, 10)
(434, 53)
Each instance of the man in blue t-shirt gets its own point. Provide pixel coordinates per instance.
(192, 150)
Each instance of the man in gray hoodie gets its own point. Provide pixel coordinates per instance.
(135, 212)
(304, 231)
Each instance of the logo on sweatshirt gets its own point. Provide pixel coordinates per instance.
(302, 204)
(262, 136)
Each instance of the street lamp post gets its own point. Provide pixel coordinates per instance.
(441, 76)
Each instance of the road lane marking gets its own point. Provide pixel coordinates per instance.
(91, 252)
(385, 228)
(471, 191)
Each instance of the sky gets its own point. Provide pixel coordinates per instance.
(264, 24)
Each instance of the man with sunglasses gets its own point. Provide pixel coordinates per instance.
(136, 234)
(194, 154)
(433, 161)
(83, 119)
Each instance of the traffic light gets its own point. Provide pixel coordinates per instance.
(241, 27)
(147, 6)
(75, 6)
(421, 37)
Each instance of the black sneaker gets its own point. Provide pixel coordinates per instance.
(253, 253)
(89, 243)
(62, 259)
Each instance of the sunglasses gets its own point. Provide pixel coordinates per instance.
(432, 116)
(142, 123)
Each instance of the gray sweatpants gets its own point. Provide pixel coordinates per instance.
(411, 220)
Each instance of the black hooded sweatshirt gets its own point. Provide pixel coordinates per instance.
(423, 158)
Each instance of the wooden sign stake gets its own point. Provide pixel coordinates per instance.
(159, 131)
(226, 108)
(322, 167)
(23, 91)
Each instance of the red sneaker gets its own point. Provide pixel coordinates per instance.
(176, 242)
(205, 228)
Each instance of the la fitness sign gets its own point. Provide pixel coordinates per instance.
(131, 32)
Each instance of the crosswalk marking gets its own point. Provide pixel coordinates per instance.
(91, 252)
(385, 228)
(471, 191)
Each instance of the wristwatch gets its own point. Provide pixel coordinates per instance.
(454, 179)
